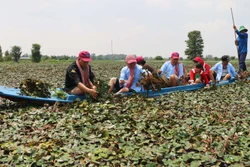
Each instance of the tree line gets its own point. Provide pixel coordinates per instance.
(16, 52)
(195, 45)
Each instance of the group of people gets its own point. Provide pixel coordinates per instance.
(79, 76)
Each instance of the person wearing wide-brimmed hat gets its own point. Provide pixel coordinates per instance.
(241, 42)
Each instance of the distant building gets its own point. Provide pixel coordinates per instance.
(25, 57)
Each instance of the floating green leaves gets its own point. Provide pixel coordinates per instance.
(200, 128)
(60, 94)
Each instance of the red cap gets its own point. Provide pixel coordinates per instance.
(199, 59)
(139, 58)
(130, 59)
(175, 55)
(85, 56)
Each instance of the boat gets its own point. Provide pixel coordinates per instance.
(14, 94)
(181, 88)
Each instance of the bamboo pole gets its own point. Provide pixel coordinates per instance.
(235, 33)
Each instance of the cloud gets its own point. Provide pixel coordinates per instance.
(225, 4)
(131, 28)
(200, 3)
(211, 27)
(161, 3)
(44, 5)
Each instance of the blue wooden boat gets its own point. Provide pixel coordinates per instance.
(168, 90)
(13, 94)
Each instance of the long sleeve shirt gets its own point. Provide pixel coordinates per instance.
(218, 67)
(242, 40)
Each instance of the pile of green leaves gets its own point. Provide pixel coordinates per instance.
(152, 81)
(102, 89)
(33, 87)
(60, 94)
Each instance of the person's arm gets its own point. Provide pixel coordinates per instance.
(76, 78)
(181, 71)
(207, 69)
(204, 77)
(163, 68)
(241, 35)
(215, 67)
(233, 71)
(84, 88)
(73, 75)
(92, 86)
(123, 78)
(191, 74)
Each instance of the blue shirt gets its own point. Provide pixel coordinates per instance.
(125, 73)
(218, 67)
(242, 40)
(168, 69)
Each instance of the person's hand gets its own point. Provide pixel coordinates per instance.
(159, 71)
(235, 28)
(94, 87)
(93, 93)
(207, 86)
(122, 82)
(190, 82)
(236, 42)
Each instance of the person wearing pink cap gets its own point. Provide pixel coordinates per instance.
(140, 60)
(173, 70)
(129, 77)
(78, 76)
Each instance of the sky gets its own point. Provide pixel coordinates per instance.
(142, 27)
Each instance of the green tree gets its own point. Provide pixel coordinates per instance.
(158, 58)
(16, 52)
(195, 44)
(1, 54)
(35, 53)
(7, 56)
(216, 58)
(232, 57)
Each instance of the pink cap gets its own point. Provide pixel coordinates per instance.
(130, 59)
(175, 55)
(139, 58)
(85, 56)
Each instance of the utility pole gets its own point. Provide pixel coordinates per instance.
(112, 47)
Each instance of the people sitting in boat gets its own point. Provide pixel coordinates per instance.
(79, 76)
(140, 61)
(222, 70)
(197, 75)
(173, 70)
(129, 77)
(206, 67)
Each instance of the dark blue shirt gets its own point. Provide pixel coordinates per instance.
(242, 40)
